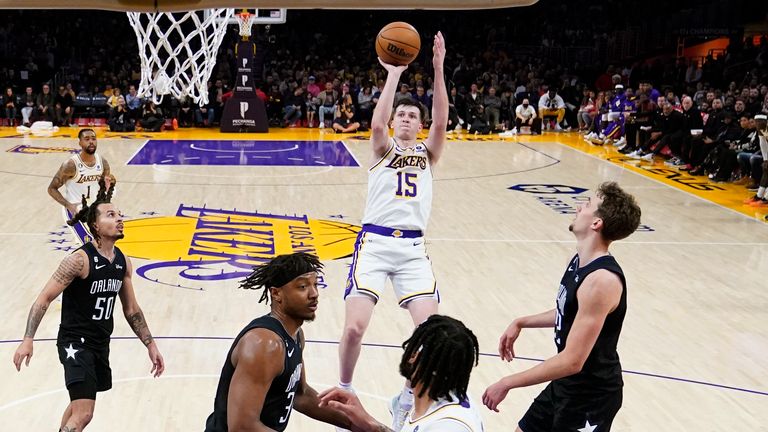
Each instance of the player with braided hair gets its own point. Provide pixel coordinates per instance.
(438, 360)
(263, 377)
(88, 214)
(89, 280)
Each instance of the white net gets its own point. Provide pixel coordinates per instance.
(245, 21)
(178, 51)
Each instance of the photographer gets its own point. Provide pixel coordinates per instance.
(120, 119)
(345, 116)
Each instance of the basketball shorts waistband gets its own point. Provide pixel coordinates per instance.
(392, 232)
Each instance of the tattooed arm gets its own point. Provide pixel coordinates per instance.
(73, 266)
(107, 174)
(107, 171)
(135, 318)
(131, 309)
(65, 172)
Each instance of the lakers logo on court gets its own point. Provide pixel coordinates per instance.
(28, 149)
(206, 244)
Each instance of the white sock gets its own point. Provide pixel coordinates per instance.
(761, 192)
(345, 386)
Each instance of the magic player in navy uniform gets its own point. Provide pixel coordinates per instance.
(585, 392)
(263, 377)
(90, 279)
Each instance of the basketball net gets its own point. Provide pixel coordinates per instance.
(245, 20)
(178, 51)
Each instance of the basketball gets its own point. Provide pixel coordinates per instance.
(398, 43)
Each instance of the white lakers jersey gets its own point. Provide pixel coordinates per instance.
(446, 415)
(85, 182)
(400, 189)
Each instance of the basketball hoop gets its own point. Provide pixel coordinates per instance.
(245, 21)
(178, 51)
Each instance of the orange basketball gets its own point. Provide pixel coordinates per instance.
(398, 43)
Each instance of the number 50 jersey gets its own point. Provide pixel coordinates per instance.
(88, 304)
(400, 189)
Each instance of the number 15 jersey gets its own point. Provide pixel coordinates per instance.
(400, 188)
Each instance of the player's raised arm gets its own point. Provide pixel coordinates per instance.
(73, 266)
(436, 139)
(383, 110)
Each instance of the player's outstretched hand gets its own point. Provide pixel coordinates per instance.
(507, 341)
(158, 364)
(348, 404)
(438, 51)
(24, 351)
(494, 395)
(392, 68)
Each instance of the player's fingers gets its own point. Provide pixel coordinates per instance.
(503, 347)
(487, 401)
(157, 366)
(16, 361)
(505, 355)
(29, 357)
(339, 406)
(333, 393)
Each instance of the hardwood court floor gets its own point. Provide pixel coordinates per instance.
(693, 345)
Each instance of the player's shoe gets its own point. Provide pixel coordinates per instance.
(399, 413)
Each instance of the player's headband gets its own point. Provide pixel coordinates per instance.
(286, 275)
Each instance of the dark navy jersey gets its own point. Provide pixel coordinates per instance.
(88, 304)
(278, 403)
(602, 370)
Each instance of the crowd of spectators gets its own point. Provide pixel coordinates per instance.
(319, 70)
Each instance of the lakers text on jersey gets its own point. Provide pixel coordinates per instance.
(86, 180)
(400, 189)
